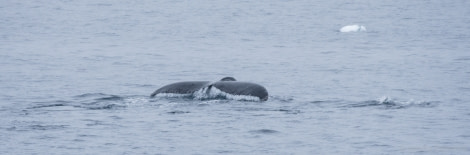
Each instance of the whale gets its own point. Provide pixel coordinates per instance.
(227, 87)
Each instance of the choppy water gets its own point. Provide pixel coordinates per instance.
(76, 76)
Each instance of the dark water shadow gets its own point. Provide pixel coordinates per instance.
(175, 112)
(264, 131)
(99, 101)
(25, 126)
(90, 101)
(58, 103)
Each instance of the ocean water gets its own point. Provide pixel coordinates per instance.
(76, 76)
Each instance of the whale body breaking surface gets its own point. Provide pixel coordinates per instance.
(226, 88)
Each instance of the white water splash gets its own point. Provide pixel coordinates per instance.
(214, 93)
(206, 93)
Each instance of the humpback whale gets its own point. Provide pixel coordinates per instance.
(227, 88)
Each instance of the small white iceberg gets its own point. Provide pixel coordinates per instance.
(352, 28)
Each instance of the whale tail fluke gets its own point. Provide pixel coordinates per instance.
(227, 88)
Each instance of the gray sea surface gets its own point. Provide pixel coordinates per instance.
(76, 76)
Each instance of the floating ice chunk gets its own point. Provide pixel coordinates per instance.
(352, 28)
